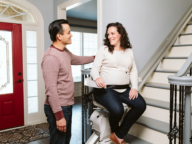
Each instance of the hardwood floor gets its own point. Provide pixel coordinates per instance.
(76, 128)
(76, 125)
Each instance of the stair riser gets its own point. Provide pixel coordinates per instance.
(173, 64)
(159, 77)
(158, 114)
(179, 51)
(186, 39)
(188, 29)
(148, 134)
(158, 94)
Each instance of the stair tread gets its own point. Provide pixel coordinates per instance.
(189, 24)
(185, 34)
(175, 57)
(160, 104)
(157, 103)
(154, 124)
(135, 140)
(181, 45)
(166, 71)
(157, 85)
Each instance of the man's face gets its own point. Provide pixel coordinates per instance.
(65, 38)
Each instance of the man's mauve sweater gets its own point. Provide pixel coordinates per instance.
(57, 74)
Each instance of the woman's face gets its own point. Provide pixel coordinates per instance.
(113, 36)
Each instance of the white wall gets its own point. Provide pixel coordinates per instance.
(46, 9)
(147, 22)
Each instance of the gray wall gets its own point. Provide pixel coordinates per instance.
(147, 22)
(46, 9)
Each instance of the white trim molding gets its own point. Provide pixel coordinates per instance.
(38, 25)
(99, 24)
(155, 60)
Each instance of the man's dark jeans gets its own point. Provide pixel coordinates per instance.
(112, 101)
(56, 136)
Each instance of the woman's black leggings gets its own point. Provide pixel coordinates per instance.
(112, 101)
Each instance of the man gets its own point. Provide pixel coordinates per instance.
(59, 85)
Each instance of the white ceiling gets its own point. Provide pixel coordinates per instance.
(86, 11)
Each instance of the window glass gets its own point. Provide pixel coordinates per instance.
(8, 11)
(83, 44)
(90, 46)
(6, 65)
(32, 77)
(76, 48)
(32, 105)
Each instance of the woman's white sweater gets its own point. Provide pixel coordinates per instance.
(118, 68)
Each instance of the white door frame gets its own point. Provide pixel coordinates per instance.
(62, 8)
(39, 27)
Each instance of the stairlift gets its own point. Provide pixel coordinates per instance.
(99, 120)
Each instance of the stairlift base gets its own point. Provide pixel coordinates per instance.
(106, 141)
(94, 139)
(101, 128)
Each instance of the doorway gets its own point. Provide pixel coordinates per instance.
(11, 76)
(21, 50)
(83, 23)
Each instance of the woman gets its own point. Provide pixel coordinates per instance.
(114, 65)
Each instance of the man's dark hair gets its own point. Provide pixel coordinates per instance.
(56, 28)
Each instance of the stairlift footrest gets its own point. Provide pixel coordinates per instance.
(93, 139)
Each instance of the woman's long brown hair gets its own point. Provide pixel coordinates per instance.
(125, 43)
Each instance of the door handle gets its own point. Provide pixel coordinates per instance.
(19, 81)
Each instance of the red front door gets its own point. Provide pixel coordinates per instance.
(11, 76)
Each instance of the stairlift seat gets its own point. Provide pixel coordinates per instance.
(91, 83)
(98, 105)
(102, 107)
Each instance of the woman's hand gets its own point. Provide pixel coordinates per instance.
(100, 82)
(133, 94)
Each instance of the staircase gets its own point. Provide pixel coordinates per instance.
(153, 126)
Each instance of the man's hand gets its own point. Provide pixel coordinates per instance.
(100, 82)
(61, 125)
(133, 94)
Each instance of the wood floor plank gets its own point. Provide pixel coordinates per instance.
(76, 125)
